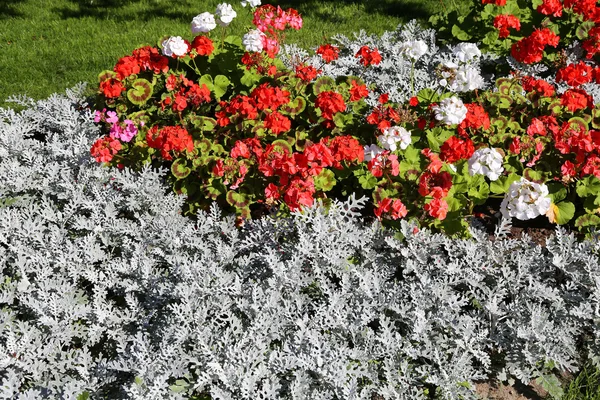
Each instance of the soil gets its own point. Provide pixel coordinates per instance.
(538, 229)
(499, 391)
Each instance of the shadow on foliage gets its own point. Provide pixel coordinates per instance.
(8, 9)
(117, 10)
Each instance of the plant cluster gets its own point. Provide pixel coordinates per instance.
(238, 127)
(108, 291)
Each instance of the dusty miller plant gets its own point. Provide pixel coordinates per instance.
(107, 290)
(393, 74)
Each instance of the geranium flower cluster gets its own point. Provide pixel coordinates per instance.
(486, 161)
(530, 49)
(525, 200)
(461, 76)
(505, 22)
(450, 111)
(270, 21)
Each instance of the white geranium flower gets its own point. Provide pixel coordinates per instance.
(174, 46)
(253, 40)
(372, 151)
(448, 71)
(252, 3)
(225, 14)
(394, 135)
(525, 200)
(414, 49)
(450, 111)
(466, 78)
(466, 52)
(203, 23)
(486, 161)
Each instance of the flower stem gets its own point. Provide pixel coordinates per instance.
(412, 78)
(223, 30)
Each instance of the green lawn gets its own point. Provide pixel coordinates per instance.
(50, 45)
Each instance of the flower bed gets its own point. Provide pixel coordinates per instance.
(238, 127)
(112, 291)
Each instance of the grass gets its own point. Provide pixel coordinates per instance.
(586, 386)
(50, 45)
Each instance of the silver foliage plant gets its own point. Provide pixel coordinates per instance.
(107, 290)
(393, 74)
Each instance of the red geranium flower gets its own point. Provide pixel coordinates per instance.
(530, 49)
(328, 52)
(496, 2)
(111, 88)
(105, 148)
(504, 22)
(431, 180)
(477, 118)
(277, 123)
(592, 43)
(397, 208)
(203, 46)
(307, 72)
(551, 7)
(576, 99)
(455, 149)
(169, 138)
(330, 103)
(357, 91)
(345, 148)
(126, 66)
(539, 86)
(437, 208)
(368, 56)
(575, 74)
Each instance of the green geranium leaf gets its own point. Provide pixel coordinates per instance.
(556, 191)
(579, 124)
(339, 119)
(283, 145)
(221, 83)
(583, 29)
(587, 220)
(249, 78)
(479, 193)
(428, 96)
(140, 92)
(561, 213)
(238, 200)
(233, 39)
(533, 175)
(460, 34)
(323, 84)
(106, 74)
(366, 179)
(295, 106)
(436, 137)
(208, 81)
(502, 184)
(325, 181)
(180, 169)
(588, 186)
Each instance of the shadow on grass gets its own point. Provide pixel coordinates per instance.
(8, 9)
(146, 10)
(403, 9)
(119, 10)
